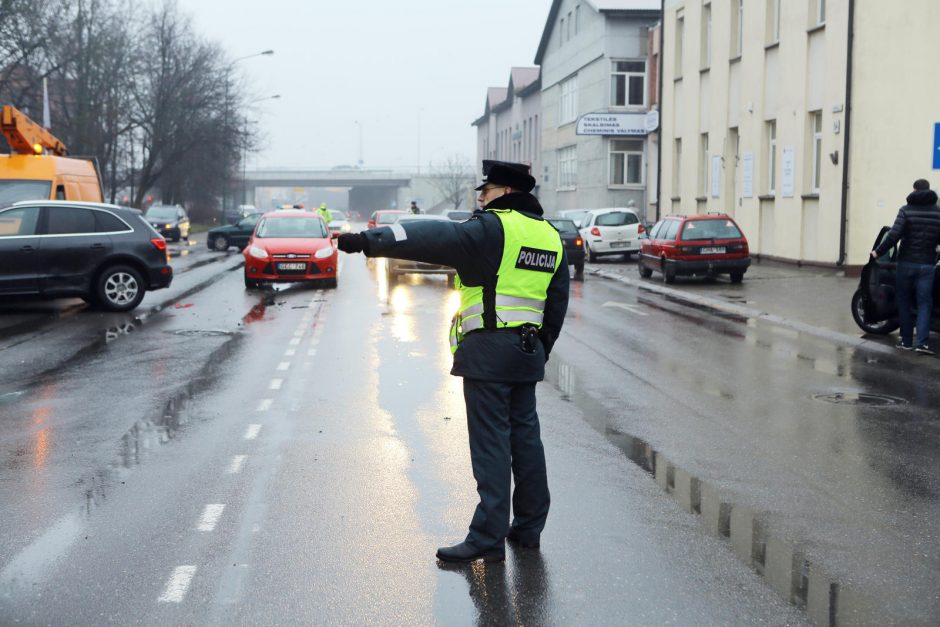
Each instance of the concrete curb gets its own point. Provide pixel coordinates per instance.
(748, 312)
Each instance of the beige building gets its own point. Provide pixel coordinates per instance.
(807, 120)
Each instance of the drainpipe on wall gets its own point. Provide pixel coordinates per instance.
(848, 134)
(659, 131)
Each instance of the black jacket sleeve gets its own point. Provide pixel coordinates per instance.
(556, 306)
(894, 235)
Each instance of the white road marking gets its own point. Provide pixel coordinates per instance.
(236, 466)
(298, 332)
(178, 584)
(284, 365)
(311, 352)
(294, 341)
(289, 352)
(631, 308)
(265, 404)
(210, 516)
(314, 341)
(252, 431)
(276, 384)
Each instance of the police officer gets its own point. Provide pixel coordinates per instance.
(512, 275)
(325, 213)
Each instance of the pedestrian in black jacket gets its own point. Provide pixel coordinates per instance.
(917, 227)
(512, 275)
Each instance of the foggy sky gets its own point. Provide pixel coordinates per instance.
(390, 65)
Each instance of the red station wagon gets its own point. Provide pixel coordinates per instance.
(699, 245)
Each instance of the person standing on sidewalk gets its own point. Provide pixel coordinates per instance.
(917, 227)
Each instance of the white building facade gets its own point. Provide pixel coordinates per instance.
(807, 120)
(509, 129)
(598, 88)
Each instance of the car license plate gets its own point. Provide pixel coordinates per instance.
(713, 250)
(291, 266)
(622, 244)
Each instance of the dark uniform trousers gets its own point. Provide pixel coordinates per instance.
(504, 444)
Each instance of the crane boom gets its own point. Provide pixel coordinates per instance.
(24, 135)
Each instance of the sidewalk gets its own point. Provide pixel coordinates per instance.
(812, 300)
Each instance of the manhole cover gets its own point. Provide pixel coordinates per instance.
(199, 332)
(852, 398)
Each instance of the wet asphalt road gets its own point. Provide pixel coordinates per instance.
(296, 456)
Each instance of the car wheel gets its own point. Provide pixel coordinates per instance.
(669, 274)
(737, 277)
(579, 271)
(119, 288)
(220, 243)
(330, 283)
(591, 257)
(876, 328)
(250, 284)
(643, 270)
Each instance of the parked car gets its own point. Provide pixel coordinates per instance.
(612, 231)
(574, 244)
(575, 215)
(873, 303)
(222, 237)
(340, 222)
(397, 267)
(107, 255)
(290, 245)
(384, 217)
(457, 215)
(170, 221)
(699, 245)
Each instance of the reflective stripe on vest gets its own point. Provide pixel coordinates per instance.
(532, 252)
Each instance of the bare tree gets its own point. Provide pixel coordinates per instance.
(453, 179)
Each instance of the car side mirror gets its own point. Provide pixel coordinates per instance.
(334, 235)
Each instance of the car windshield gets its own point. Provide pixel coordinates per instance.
(616, 218)
(338, 215)
(710, 229)
(162, 213)
(291, 227)
(15, 191)
(387, 218)
(564, 226)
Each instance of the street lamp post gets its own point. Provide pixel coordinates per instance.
(228, 70)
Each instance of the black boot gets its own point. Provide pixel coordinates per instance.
(517, 539)
(464, 552)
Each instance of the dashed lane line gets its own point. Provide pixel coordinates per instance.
(252, 431)
(284, 365)
(210, 516)
(294, 341)
(276, 384)
(235, 466)
(265, 404)
(178, 584)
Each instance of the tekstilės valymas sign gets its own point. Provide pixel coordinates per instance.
(613, 124)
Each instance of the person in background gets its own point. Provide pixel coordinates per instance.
(512, 276)
(325, 213)
(917, 227)
(414, 208)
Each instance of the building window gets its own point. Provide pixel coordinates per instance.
(704, 170)
(561, 33)
(737, 28)
(577, 18)
(819, 12)
(706, 53)
(628, 83)
(771, 156)
(570, 25)
(677, 169)
(568, 167)
(816, 118)
(568, 103)
(773, 21)
(680, 35)
(626, 162)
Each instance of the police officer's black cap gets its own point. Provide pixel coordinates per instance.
(514, 175)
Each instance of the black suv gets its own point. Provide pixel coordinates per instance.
(107, 255)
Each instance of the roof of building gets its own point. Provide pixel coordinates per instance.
(522, 77)
(522, 81)
(602, 6)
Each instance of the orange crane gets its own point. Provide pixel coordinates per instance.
(26, 137)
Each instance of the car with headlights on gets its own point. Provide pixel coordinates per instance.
(340, 222)
(395, 268)
(290, 246)
(574, 244)
(170, 221)
(222, 237)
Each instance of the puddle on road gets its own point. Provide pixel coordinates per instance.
(857, 398)
(745, 528)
